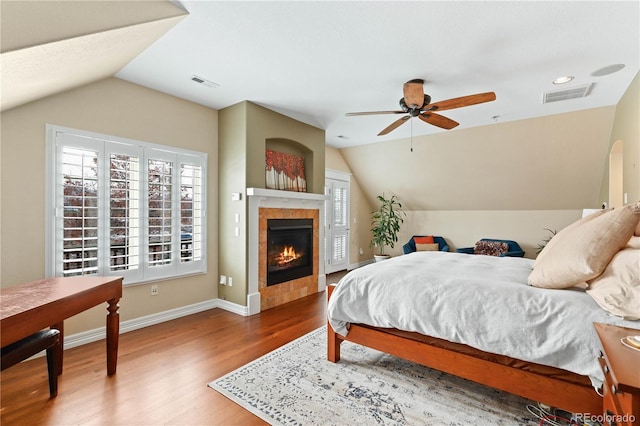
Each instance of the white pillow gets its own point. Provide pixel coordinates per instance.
(568, 229)
(583, 250)
(634, 242)
(617, 290)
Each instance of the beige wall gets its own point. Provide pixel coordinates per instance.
(112, 107)
(462, 228)
(508, 180)
(232, 171)
(244, 130)
(546, 163)
(626, 128)
(263, 124)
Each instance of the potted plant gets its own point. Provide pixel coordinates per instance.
(386, 224)
(544, 243)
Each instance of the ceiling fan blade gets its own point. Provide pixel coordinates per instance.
(462, 101)
(414, 93)
(394, 125)
(350, 114)
(438, 120)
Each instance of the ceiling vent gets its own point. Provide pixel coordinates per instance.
(564, 94)
(205, 82)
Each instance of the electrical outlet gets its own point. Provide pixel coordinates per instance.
(230, 281)
(154, 290)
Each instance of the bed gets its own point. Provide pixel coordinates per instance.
(476, 317)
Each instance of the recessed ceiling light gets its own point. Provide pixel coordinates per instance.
(610, 69)
(563, 80)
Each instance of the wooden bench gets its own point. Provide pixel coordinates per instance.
(48, 340)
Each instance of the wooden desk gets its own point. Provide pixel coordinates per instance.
(30, 307)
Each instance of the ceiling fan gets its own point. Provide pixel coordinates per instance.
(416, 103)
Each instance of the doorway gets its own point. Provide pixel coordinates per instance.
(336, 244)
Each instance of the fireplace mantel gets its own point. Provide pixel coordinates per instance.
(285, 196)
(269, 198)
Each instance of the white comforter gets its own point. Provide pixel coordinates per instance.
(482, 301)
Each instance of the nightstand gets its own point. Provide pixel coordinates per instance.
(621, 368)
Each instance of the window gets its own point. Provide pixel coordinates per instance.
(123, 207)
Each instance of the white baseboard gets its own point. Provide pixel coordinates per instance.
(253, 303)
(322, 283)
(94, 335)
(233, 307)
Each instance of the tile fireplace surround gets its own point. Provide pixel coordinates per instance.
(273, 204)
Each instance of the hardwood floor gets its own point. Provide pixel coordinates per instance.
(163, 371)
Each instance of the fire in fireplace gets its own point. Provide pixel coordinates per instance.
(289, 249)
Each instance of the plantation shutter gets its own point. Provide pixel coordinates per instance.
(337, 217)
(125, 222)
(190, 212)
(122, 207)
(340, 222)
(78, 187)
(160, 212)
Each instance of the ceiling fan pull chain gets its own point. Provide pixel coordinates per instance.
(411, 135)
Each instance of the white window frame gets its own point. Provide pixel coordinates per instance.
(56, 138)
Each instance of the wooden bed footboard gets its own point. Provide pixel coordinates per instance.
(552, 391)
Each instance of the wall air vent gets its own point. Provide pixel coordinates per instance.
(205, 82)
(564, 94)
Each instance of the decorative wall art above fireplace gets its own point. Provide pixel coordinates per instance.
(284, 171)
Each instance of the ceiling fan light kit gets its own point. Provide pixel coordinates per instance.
(414, 93)
(416, 103)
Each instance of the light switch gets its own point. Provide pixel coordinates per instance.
(237, 231)
(237, 217)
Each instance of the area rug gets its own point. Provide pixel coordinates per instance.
(296, 385)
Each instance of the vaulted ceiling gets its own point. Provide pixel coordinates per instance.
(52, 46)
(317, 60)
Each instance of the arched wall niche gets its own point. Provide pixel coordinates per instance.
(292, 147)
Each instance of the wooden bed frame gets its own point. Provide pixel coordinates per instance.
(551, 391)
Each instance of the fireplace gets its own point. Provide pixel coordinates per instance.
(264, 206)
(289, 249)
